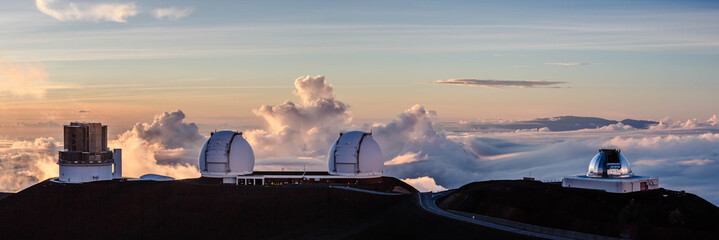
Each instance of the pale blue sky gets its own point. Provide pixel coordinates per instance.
(642, 59)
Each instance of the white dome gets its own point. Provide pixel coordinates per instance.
(355, 154)
(226, 153)
(609, 163)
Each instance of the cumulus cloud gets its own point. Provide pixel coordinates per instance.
(86, 11)
(424, 184)
(172, 13)
(299, 134)
(302, 133)
(23, 79)
(167, 146)
(489, 83)
(568, 63)
(139, 157)
(23, 163)
(443, 159)
(524, 130)
(170, 140)
(688, 124)
(617, 127)
(303, 129)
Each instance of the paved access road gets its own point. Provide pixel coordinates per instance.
(427, 202)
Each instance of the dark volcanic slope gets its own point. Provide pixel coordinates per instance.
(645, 215)
(196, 209)
(4, 195)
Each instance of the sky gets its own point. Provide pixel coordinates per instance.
(397, 67)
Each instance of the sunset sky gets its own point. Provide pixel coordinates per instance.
(218, 60)
(292, 74)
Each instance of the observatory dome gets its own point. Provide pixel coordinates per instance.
(355, 154)
(226, 153)
(609, 163)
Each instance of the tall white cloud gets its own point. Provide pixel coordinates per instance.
(172, 13)
(303, 129)
(168, 138)
(86, 11)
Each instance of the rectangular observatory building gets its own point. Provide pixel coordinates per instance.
(85, 156)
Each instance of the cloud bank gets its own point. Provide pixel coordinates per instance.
(172, 13)
(424, 184)
(74, 11)
(489, 83)
(166, 146)
(23, 163)
(23, 79)
(683, 154)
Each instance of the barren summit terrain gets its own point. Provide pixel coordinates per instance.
(201, 209)
(654, 214)
(206, 209)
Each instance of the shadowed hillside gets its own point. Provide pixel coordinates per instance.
(651, 214)
(202, 209)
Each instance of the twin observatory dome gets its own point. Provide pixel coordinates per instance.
(355, 158)
(227, 155)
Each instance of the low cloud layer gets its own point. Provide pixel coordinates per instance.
(87, 11)
(683, 154)
(489, 83)
(24, 163)
(22, 79)
(171, 13)
(166, 146)
(424, 184)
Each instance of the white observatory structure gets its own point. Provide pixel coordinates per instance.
(355, 153)
(610, 171)
(355, 158)
(226, 155)
(86, 157)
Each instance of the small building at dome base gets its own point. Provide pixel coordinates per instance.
(610, 171)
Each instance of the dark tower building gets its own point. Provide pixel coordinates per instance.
(86, 156)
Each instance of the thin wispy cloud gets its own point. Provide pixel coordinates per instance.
(23, 79)
(568, 63)
(491, 83)
(172, 13)
(74, 11)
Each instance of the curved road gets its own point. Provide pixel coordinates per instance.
(427, 202)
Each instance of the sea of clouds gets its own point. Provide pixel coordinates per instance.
(297, 135)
